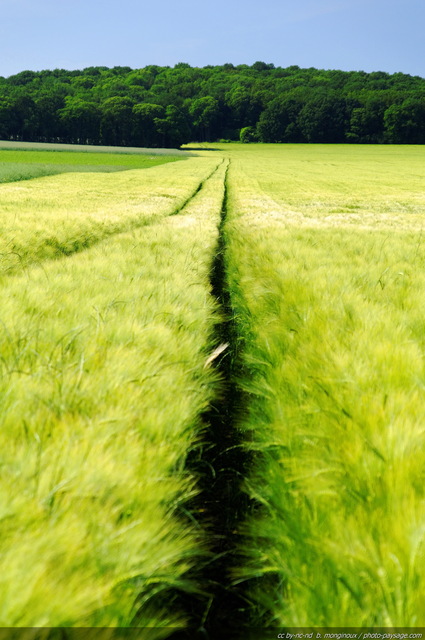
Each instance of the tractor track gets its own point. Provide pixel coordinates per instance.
(218, 608)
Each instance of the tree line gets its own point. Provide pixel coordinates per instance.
(168, 106)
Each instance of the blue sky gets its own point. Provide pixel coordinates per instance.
(368, 35)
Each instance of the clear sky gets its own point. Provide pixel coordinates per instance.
(368, 35)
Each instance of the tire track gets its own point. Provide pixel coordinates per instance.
(218, 606)
(223, 463)
(197, 190)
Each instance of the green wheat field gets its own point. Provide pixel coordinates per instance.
(108, 366)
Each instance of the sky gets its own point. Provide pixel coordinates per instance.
(366, 35)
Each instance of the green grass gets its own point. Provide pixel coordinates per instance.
(330, 306)
(17, 164)
(90, 148)
(106, 327)
(103, 379)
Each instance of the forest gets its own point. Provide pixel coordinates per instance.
(169, 106)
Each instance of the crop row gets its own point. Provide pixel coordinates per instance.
(332, 321)
(103, 380)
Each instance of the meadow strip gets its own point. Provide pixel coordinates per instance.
(91, 159)
(331, 319)
(13, 145)
(16, 165)
(51, 217)
(103, 377)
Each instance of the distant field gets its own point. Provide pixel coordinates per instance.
(24, 161)
(89, 148)
(132, 303)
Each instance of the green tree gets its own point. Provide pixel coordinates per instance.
(262, 66)
(145, 131)
(245, 107)
(324, 118)
(80, 121)
(205, 112)
(278, 123)
(367, 124)
(7, 118)
(48, 122)
(116, 124)
(173, 129)
(405, 123)
(24, 122)
(285, 104)
(248, 134)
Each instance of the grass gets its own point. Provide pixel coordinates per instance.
(90, 148)
(103, 379)
(26, 164)
(331, 316)
(60, 215)
(105, 358)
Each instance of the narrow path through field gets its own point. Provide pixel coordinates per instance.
(220, 608)
(224, 462)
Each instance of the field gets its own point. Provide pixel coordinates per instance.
(326, 266)
(135, 304)
(103, 380)
(20, 161)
